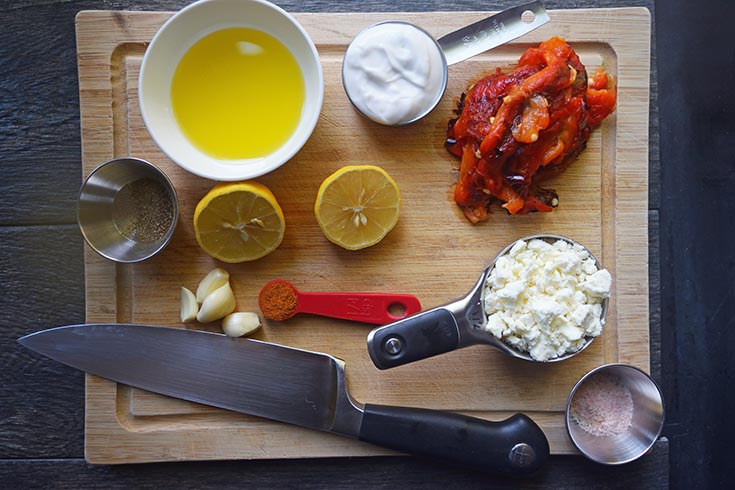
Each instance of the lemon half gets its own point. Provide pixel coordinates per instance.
(239, 222)
(357, 206)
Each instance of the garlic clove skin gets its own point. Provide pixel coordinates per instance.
(189, 305)
(215, 279)
(218, 304)
(240, 323)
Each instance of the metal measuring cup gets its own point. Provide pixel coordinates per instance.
(646, 417)
(127, 210)
(452, 48)
(455, 325)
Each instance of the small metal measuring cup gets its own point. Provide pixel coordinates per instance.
(455, 325)
(455, 47)
(646, 418)
(127, 210)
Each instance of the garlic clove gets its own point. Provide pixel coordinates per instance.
(189, 305)
(215, 279)
(240, 323)
(218, 304)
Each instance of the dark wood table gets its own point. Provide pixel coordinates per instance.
(691, 296)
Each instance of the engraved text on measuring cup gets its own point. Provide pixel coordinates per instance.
(496, 29)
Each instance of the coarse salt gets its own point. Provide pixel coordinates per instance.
(602, 406)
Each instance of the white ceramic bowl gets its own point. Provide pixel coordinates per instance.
(175, 38)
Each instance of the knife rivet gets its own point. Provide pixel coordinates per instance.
(522, 455)
(393, 345)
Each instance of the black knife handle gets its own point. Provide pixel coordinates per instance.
(514, 447)
(417, 337)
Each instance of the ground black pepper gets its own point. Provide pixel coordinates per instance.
(143, 210)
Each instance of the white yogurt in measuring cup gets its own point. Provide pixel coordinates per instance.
(394, 73)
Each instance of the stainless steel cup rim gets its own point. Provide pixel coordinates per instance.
(163, 178)
(654, 436)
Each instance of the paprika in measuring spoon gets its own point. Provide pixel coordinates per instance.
(277, 300)
(280, 300)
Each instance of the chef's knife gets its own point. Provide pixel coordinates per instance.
(289, 385)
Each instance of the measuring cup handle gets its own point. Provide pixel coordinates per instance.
(417, 337)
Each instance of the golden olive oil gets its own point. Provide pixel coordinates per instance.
(238, 93)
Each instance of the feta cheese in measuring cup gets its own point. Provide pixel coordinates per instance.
(394, 73)
(546, 298)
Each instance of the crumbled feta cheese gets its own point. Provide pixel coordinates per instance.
(511, 290)
(545, 309)
(496, 325)
(545, 298)
(598, 284)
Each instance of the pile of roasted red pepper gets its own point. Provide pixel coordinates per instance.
(514, 130)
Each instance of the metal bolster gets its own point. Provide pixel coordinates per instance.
(347, 413)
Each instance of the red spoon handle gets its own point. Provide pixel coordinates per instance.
(362, 307)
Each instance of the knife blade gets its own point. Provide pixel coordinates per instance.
(289, 385)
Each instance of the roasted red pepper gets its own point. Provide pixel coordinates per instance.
(516, 129)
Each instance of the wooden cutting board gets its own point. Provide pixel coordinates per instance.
(433, 252)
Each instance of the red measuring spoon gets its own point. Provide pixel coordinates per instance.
(280, 300)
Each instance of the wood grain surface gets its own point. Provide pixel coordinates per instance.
(432, 253)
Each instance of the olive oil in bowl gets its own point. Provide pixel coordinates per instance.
(238, 93)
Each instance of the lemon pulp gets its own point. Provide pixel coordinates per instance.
(238, 222)
(237, 93)
(357, 206)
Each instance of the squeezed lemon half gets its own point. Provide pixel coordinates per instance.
(357, 206)
(239, 222)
